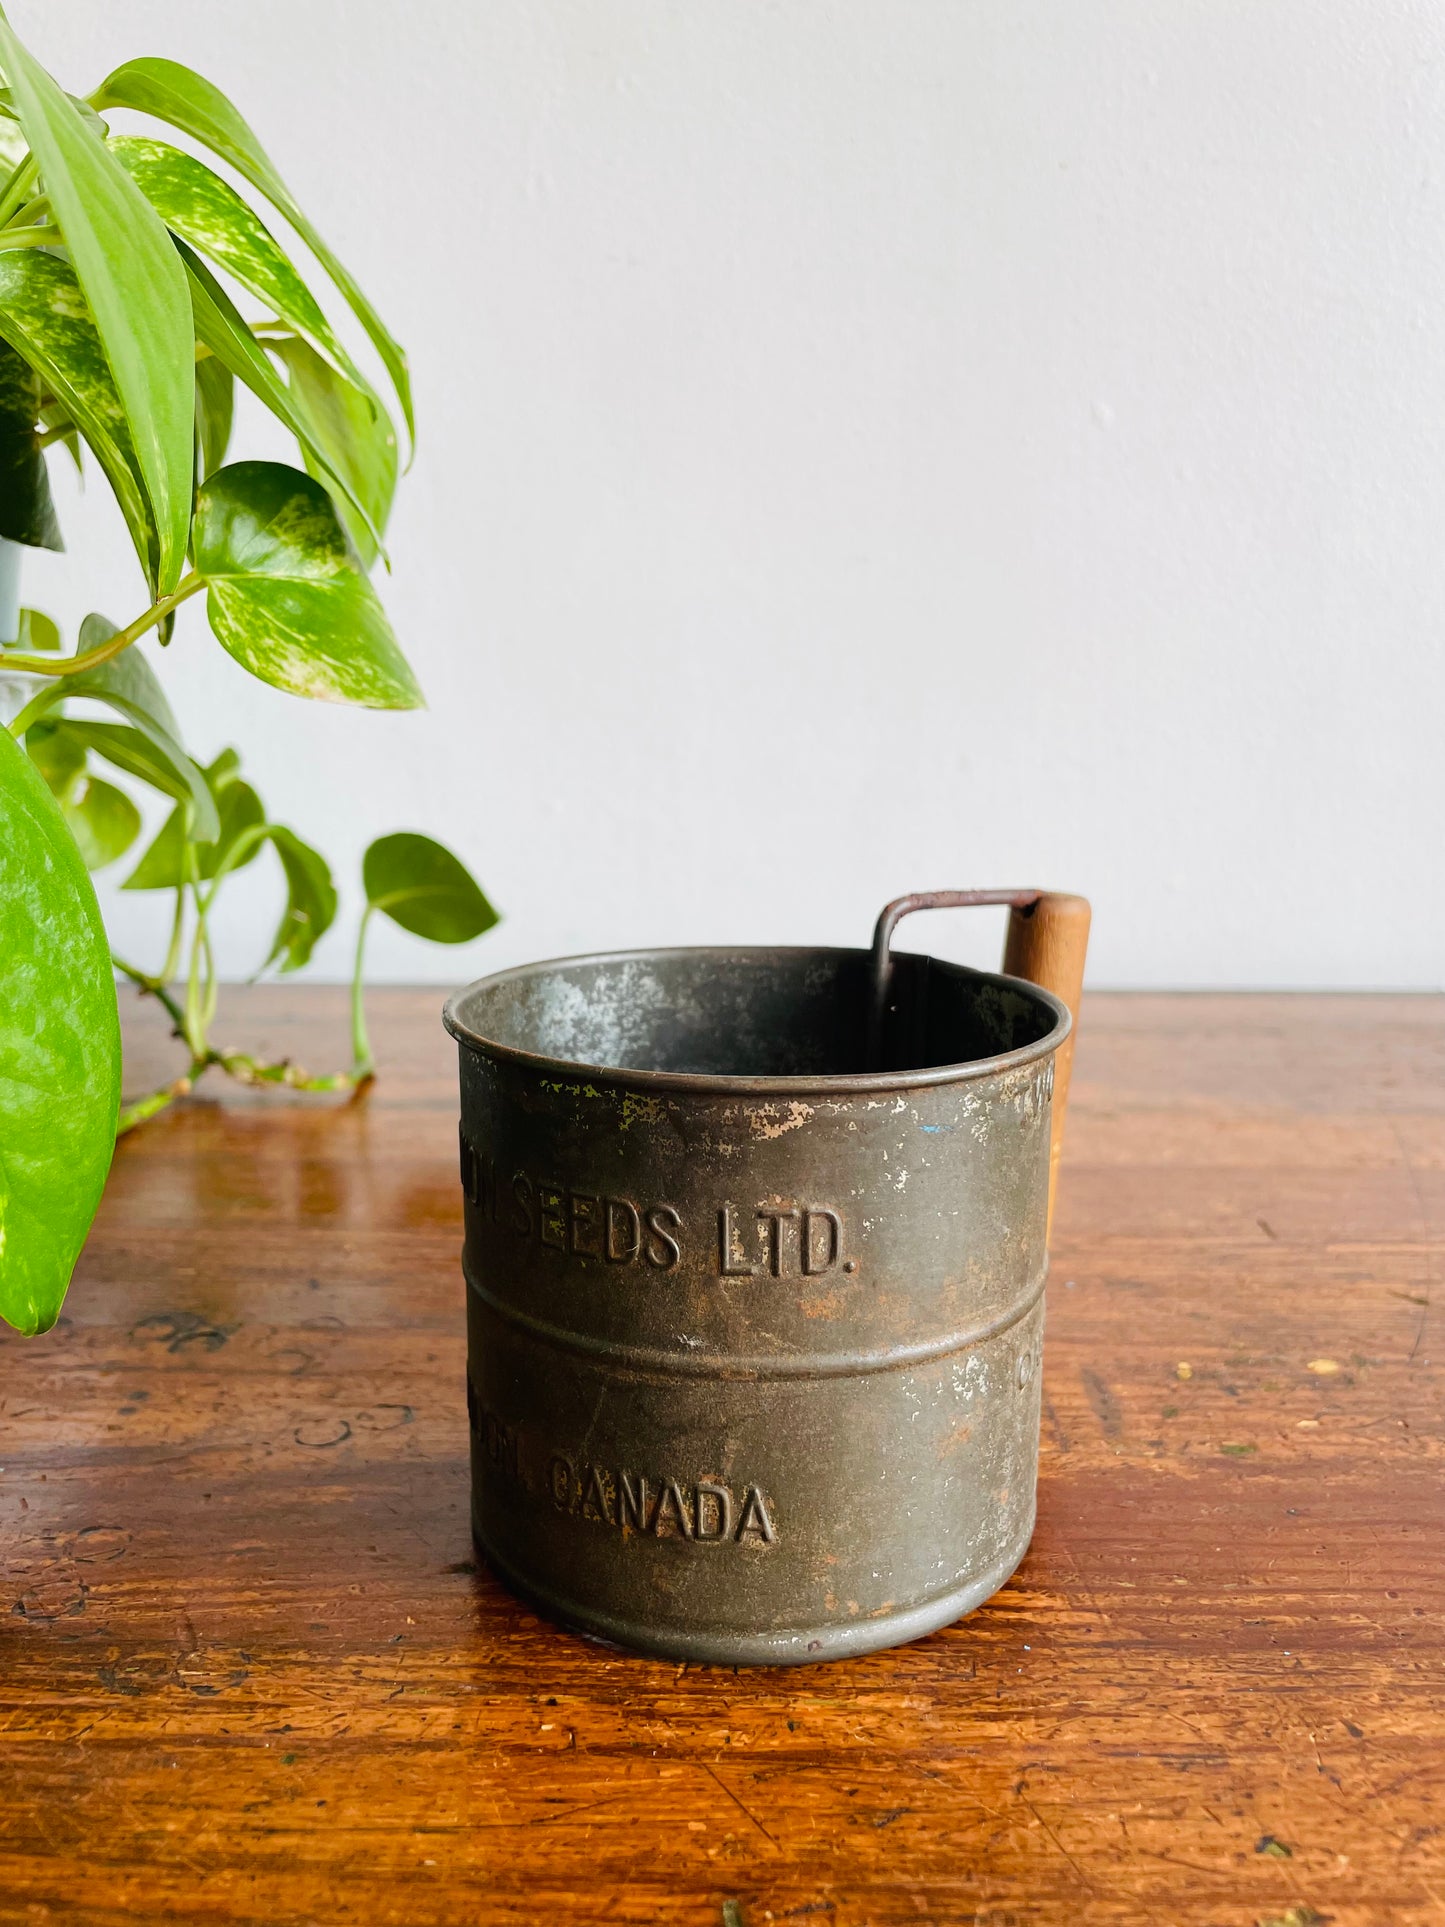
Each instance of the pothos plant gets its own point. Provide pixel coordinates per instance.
(137, 287)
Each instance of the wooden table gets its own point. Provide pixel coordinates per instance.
(252, 1673)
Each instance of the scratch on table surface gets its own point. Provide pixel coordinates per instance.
(1172, 1860)
(586, 1806)
(1058, 1843)
(740, 1804)
(1106, 1405)
(1061, 1437)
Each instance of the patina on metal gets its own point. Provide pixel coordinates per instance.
(755, 1255)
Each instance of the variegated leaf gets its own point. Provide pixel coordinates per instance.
(135, 289)
(287, 595)
(197, 204)
(186, 100)
(45, 319)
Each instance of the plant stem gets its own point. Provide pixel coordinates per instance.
(362, 1067)
(122, 639)
(153, 987)
(244, 1068)
(32, 712)
(178, 924)
(54, 435)
(213, 983)
(239, 1064)
(248, 840)
(193, 1020)
(144, 1107)
(257, 1070)
(195, 1026)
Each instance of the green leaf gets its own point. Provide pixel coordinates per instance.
(127, 682)
(27, 513)
(182, 98)
(59, 1049)
(172, 773)
(420, 885)
(163, 866)
(134, 287)
(128, 685)
(355, 431)
(43, 316)
(58, 755)
(310, 901)
(102, 819)
(220, 327)
(39, 634)
(215, 407)
(286, 594)
(197, 204)
(241, 809)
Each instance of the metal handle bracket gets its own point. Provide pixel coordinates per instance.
(892, 914)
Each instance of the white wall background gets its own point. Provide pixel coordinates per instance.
(867, 447)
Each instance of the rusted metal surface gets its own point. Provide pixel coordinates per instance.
(755, 1330)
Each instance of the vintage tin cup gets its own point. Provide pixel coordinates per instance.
(755, 1291)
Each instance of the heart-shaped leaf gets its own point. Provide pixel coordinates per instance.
(197, 204)
(239, 809)
(27, 513)
(183, 99)
(59, 1048)
(310, 901)
(43, 317)
(419, 884)
(102, 819)
(288, 597)
(353, 429)
(135, 288)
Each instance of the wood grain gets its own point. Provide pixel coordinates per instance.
(251, 1674)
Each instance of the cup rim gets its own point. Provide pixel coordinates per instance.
(732, 1084)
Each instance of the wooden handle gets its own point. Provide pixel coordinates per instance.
(1046, 943)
